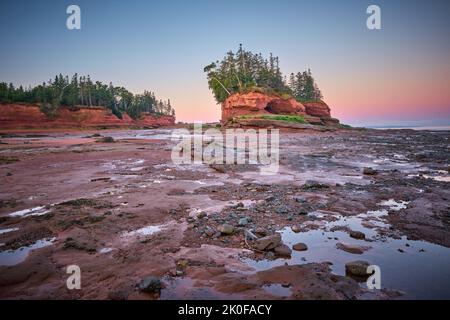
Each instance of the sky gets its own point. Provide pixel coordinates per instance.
(399, 75)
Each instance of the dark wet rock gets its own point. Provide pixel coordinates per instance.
(300, 199)
(357, 268)
(270, 255)
(270, 198)
(79, 244)
(150, 285)
(106, 140)
(300, 247)
(261, 231)
(104, 179)
(283, 250)
(357, 235)
(201, 215)
(268, 243)
(8, 174)
(209, 232)
(350, 248)
(244, 221)
(401, 250)
(226, 229)
(240, 205)
(281, 210)
(369, 171)
(314, 185)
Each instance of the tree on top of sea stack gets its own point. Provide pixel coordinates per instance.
(245, 71)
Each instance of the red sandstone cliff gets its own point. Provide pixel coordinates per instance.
(257, 103)
(24, 116)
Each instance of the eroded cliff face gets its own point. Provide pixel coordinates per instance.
(23, 116)
(257, 103)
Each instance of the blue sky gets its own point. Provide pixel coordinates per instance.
(400, 74)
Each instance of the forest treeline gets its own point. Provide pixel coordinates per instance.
(245, 71)
(81, 90)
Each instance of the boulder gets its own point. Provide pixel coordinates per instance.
(283, 250)
(350, 248)
(150, 285)
(357, 268)
(300, 247)
(369, 171)
(357, 235)
(226, 229)
(268, 243)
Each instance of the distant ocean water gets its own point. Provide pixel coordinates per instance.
(431, 128)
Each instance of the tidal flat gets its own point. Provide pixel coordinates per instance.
(141, 227)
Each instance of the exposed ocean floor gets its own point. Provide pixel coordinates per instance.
(124, 212)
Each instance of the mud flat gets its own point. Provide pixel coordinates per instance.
(140, 227)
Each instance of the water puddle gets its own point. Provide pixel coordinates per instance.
(13, 257)
(418, 268)
(36, 211)
(440, 175)
(278, 290)
(185, 289)
(3, 231)
(145, 231)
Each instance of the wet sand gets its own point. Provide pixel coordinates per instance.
(123, 211)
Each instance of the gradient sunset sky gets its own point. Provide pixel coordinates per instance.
(399, 75)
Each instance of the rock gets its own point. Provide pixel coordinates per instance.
(209, 232)
(300, 199)
(226, 229)
(283, 250)
(243, 221)
(268, 243)
(269, 198)
(300, 247)
(260, 231)
(296, 229)
(357, 268)
(240, 205)
(257, 103)
(281, 210)
(317, 109)
(106, 140)
(30, 115)
(357, 235)
(355, 249)
(288, 106)
(311, 184)
(201, 215)
(369, 171)
(150, 285)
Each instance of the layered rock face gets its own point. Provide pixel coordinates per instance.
(13, 116)
(257, 103)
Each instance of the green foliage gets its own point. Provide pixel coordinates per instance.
(83, 91)
(278, 117)
(304, 87)
(245, 71)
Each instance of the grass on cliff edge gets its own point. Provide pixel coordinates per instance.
(278, 117)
